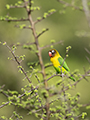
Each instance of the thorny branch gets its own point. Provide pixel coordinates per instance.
(32, 23)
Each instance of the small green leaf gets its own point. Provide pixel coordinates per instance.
(51, 46)
(27, 7)
(30, 112)
(66, 55)
(81, 7)
(52, 41)
(32, 2)
(45, 15)
(38, 8)
(39, 18)
(19, 2)
(36, 114)
(3, 117)
(83, 115)
(88, 107)
(18, 43)
(4, 43)
(7, 6)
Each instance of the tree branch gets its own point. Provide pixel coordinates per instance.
(70, 5)
(32, 23)
(14, 20)
(86, 10)
(22, 69)
(59, 42)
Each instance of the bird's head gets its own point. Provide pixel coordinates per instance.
(53, 52)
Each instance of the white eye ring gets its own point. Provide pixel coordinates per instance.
(52, 51)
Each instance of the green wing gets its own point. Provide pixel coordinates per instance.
(63, 63)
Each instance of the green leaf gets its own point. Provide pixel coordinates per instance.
(52, 41)
(7, 6)
(52, 10)
(88, 107)
(51, 46)
(36, 114)
(4, 43)
(38, 18)
(83, 115)
(30, 112)
(3, 117)
(41, 119)
(45, 15)
(81, 7)
(19, 2)
(10, 119)
(32, 2)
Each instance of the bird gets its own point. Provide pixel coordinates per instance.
(59, 63)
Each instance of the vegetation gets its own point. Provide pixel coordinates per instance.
(39, 92)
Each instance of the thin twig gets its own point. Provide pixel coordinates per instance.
(42, 32)
(22, 69)
(44, 17)
(54, 76)
(14, 20)
(16, 6)
(86, 10)
(21, 44)
(88, 59)
(24, 27)
(1, 87)
(87, 51)
(59, 42)
(70, 5)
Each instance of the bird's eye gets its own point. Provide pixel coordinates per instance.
(53, 51)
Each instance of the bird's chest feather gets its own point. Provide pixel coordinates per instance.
(55, 61)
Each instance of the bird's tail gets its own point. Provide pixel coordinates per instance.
(72, 78)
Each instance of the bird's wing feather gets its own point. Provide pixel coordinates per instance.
(63, 63)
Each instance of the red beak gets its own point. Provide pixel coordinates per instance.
(50, 54)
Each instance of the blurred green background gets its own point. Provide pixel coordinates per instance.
(71, 27)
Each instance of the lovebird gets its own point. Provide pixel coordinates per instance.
(59, 63)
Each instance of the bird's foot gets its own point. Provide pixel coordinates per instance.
(62, 74)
